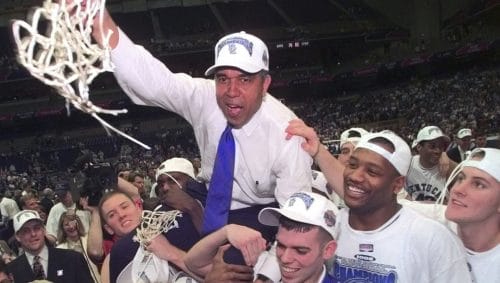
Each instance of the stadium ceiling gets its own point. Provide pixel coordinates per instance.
(399, 12)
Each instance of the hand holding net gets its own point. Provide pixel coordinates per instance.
(57, 49)
(154, 223)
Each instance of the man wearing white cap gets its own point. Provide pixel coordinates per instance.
(264, 167)
(424, 180)
(348, 140)
(474, 206)
(41, 262)
(380, 240)
(459, 152)
(306, 238)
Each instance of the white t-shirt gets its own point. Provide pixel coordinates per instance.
(267, 166)
(407, 248)
(55, 214)
(485, 266)
(423, 183)
(8, 207)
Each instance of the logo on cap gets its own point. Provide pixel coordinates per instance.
(247, 44)
(329, 217)
(308, 200)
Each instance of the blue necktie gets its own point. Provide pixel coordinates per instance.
(220, 189)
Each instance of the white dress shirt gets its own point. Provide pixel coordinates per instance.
(267, 167)
(44, 259)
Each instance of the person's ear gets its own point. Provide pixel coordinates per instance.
(329, 250)
(398, 184)
(267, 83)
(108, 229)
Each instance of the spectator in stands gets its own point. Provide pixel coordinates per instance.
(4, 275)
(459, 153)
(137, 179)
(66, 203)
(47, 201)
(8, 208)
(234, 105)
(73, 237)
(40, 262)
(474, 205)
(424, 180)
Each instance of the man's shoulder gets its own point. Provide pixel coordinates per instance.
(276, 111)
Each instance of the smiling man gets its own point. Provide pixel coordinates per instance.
(424, 181)
(267, 168)
(382, 241)
(41, 262)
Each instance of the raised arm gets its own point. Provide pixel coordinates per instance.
(329, 165)
(95, 236)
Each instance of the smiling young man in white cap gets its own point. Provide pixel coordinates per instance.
(41, 262)
(267, 168)
(380, 240)
(474, 206)
(424, 180)
(306, 239)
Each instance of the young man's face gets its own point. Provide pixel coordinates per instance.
(166, 183)
(430, 151)
(345, 153)
(474, 198)
(369, 181)
(32, 236)
(121, 214)
(239, 95)
(301, 255)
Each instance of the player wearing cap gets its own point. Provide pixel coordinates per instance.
(459, 152)
(379, 239)
(424, 180)
(475, 206)
(41, 262)
(305, 240)
(348, 140)
(267, 167)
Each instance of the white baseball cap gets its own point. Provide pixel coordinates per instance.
(304, 207)
(24, 216)
(241, 50)
(176, 164)
(431, 133)
(346, 137)
(464, 133)
(401, 156)
(489, 163)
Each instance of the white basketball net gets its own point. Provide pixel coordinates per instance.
(63, 55)
(154, 223)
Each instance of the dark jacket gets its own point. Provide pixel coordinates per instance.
(64, 266)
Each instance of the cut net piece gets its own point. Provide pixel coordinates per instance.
(154, 223)
(57, 49)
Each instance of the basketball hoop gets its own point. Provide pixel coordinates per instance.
(63, 56)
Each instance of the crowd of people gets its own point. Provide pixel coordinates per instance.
(247, 206)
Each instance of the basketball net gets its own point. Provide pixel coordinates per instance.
(154, 223)
(62, 54)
